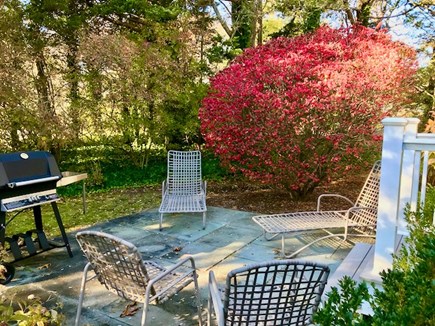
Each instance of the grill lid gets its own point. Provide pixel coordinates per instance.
(24, 168)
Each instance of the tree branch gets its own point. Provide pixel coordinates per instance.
(221, 20)
(348, 12)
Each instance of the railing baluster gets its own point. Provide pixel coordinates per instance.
(424, 178)
(415, 180)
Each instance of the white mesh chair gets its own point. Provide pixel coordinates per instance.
(119, 267)
(281, 292)
(360, 217)
(183, 191)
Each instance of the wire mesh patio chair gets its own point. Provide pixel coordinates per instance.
(280, 292)
(118, 265)
(184, 191)
(360, 218)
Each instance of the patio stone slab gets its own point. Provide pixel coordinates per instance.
(230, 240)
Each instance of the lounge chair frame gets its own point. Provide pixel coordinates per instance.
(184, 190)
(360, 217)
(118, 265)
(280, 292)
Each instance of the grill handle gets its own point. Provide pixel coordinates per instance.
(30, 182)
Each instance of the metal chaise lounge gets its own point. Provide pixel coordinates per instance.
(283, 292)
(183, 190)
(358, 220)
(118, 265)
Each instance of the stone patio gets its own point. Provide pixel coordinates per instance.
(231, 239)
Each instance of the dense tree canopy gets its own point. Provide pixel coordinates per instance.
(126, 73)
(131, 74)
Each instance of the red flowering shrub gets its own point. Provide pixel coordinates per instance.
(294, 112)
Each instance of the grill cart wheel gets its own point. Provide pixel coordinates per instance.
(7, 272)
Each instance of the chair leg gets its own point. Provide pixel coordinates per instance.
(82, 294)
(209, 307)
(204, 216)
(310, 244)
(161, 221)
(269, 236)
(145, 310)
(198, 300)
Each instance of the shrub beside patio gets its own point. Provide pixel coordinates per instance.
(407, 296)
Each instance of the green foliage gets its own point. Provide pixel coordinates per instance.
(302, 22)
(108, 168)
(32, 312)
(124, 73)
(223, 49)
(407, 296)
(424, 100)
(341, 308)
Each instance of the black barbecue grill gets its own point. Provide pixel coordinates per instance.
(28, 180)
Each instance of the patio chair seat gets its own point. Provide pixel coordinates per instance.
(303, 221)
(360, 218)
(183, 204)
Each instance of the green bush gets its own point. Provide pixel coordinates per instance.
(32, 312)
(407, 296)
(107, 169)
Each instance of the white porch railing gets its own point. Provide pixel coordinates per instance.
(405, 158)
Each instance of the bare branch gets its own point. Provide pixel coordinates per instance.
(348, 12)
(221, 20)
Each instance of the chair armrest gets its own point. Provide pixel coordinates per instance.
(214, 301)
(163, 188)
(360, 208)
(204, 186)
(172, 269)
(332, 195)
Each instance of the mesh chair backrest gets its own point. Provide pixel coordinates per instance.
(184, 172)
(369, 197)
(284, 292)
(116, 263)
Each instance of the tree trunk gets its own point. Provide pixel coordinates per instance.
(259, 22)
(72, 78)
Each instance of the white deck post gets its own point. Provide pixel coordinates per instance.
(389, 195)
(410, 176)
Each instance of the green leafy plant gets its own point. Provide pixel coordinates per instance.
(407, 296)
(3, 268)
(32, 312)
(342, 306)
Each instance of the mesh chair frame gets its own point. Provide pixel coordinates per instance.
(184, 191)
(284, 292)
(360, 218)
(118, 266)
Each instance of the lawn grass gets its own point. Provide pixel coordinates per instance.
(101, 207)
(115, 189)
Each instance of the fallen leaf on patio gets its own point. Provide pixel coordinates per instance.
(130, 310)
(177, 249)
(44, 266)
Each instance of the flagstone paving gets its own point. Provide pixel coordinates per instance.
(231, 239)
